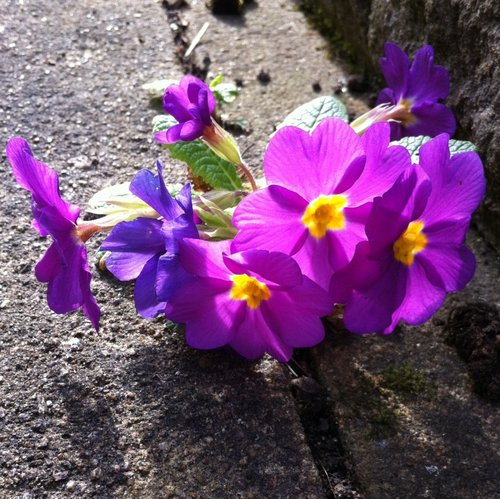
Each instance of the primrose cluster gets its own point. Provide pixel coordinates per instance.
(371, 215)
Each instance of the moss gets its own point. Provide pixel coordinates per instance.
(384, 419)
(404, 381)
(336, 44)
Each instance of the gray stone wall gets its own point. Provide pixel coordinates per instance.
(466, 37)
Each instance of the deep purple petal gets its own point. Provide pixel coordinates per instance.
(205, 258)
(386, 96)
(273, 268)
(307, 297)
(38, 178)
(431, 119)
(392, 213)
(322, 157)
(170, 276)
(458, 184)
(421, 298)
(152, 190)
(49, 264)
(455, 265)
(427, 81)
(147, 303)
(176, 103)
(256, 334)
(395, 66)
(191, 130)
(211, 317)
(132, 245)
(449, 231)
(370, 308)
(271, 219)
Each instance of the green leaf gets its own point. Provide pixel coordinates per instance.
(225, 93)
(310, 114)
(156, 89)
(220, 174)
(204, 163)
(163, 122)
(458, 146)
(413, 144)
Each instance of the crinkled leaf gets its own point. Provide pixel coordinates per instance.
(162, 122)
(204, 163)
(458, 146)
(155, 89)
(413, 145)
(310, 114)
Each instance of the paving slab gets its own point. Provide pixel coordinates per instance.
(406, 405)
(130, 412)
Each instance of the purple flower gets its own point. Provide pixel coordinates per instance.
(191, 103)
(254, 301)
(64, 265)
(322, 187)
(415, 251)
(147, 249)
(416, 91)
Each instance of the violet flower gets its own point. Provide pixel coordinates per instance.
(64, 265)
(415, 93)
(415, 251)
(319, 198)
(147, 249)
(254, 301)
(192, 104)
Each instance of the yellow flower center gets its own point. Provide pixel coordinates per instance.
(411, 242)
(325, 213)
(406, 117)
(249, 289)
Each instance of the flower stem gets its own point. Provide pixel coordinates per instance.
(243, 170)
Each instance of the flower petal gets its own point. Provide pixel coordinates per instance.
(38, 178)
(147, 303)
(132, 245)
(395, 67)
(322, 161)
(454, 265)
(273, 268)
(421, 298)
(270, 219)
(427, 81)
(152, 190)
(370, 308)
(431, 119)
(256, 336)
(205, 258)
(383, 165)
(458, 183)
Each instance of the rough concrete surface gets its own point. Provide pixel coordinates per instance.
(405, 405)
(130, 412)
(466, 37)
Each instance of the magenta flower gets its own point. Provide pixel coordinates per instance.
(147, 249)
(319, 198)
(415, 251)
(64, 265)
(254, 301)
(191, 103)
(416, 91)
